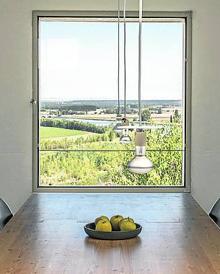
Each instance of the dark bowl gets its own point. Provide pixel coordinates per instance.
(114, 235)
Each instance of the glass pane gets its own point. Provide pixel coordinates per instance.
(78, 76)
(108, 169)
(168, 137)
(78, 102)
(78, 79)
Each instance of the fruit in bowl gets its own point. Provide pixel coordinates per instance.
(117, 228)
(116, 223)
(103, 225)
(127, 224)
(101, 218)
(115, 220)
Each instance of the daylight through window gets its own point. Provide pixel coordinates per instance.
(78, 143)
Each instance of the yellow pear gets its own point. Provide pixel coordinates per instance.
(127, 219)
(127, 224)
(101, 218)
(104, 226)
(115, 221)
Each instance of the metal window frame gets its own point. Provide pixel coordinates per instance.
(153, 16)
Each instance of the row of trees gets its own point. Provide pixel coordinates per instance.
(61, 123)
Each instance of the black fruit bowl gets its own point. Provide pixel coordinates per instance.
(114, 235)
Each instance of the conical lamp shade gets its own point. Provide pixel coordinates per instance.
(125, 138)
(140, 165)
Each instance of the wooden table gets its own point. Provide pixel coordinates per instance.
(47, 236)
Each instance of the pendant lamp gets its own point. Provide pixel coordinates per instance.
(140, 163)
(118, 80)
(125, 138)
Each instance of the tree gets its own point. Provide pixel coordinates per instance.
(176, 116)
(145, 115)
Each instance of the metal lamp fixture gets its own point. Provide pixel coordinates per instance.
(140, 164)
(118, 83)
(125, 138)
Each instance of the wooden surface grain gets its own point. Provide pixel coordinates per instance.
(47, 236)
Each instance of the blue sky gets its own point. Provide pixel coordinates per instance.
(79, 61)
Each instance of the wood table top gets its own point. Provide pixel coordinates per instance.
(47, 236)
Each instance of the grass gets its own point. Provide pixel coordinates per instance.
(52, 132)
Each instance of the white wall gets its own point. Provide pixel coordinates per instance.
(16, 89)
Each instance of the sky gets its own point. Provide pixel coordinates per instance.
(78, 61)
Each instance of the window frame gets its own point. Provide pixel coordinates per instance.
(187, 70)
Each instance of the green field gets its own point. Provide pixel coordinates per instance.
(51, 132)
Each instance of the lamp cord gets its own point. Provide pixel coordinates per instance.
(139, 59)
(125, 62)
(118, 112)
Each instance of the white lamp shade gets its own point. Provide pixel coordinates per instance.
(125, 139)
(140, 165)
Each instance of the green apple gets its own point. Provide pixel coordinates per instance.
(115, 221)
(104, 226)
(128, 219)
(127, 224)
(101, 218)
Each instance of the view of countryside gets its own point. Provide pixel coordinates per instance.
(79, 140)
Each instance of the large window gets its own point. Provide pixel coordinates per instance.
(77, 144)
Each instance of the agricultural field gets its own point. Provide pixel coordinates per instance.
(51, 132)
